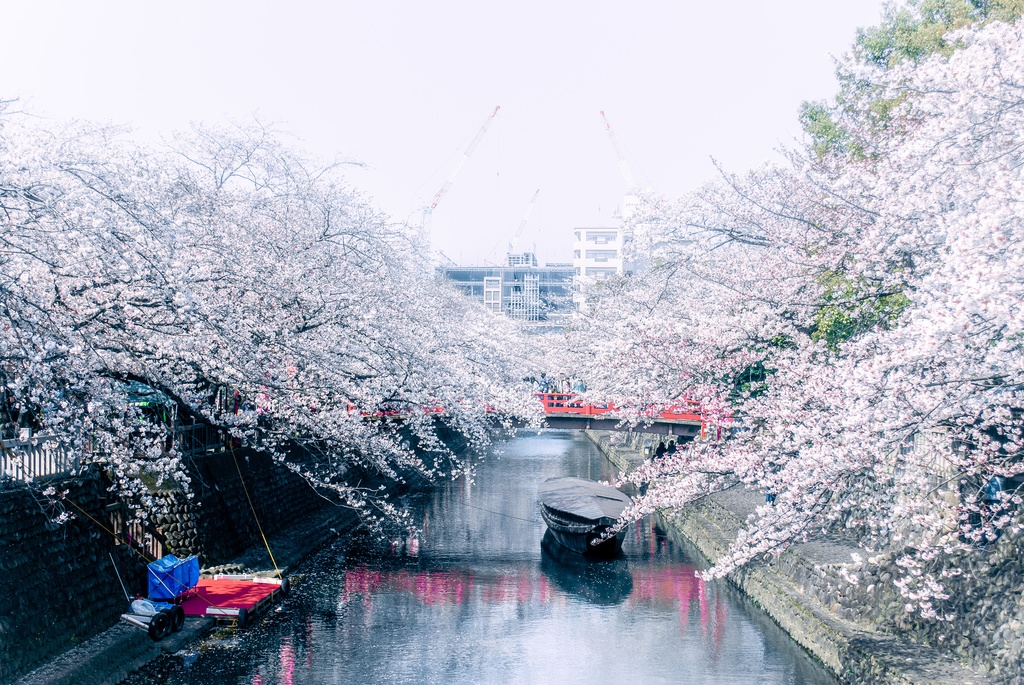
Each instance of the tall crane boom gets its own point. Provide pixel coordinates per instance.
(428, 210)
(620, 157)
(526, 217)
(462, 160)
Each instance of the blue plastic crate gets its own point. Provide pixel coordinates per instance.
(171, 576)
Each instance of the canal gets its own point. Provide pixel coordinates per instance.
(482, 597)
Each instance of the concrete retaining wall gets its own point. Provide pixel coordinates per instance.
(860, 632)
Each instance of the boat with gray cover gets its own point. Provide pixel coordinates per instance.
(579, 512)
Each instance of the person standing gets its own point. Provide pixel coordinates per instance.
(543, 385)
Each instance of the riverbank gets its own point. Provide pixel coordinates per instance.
(482, 599)
(803, 591)
(62, 597)
(109, 657)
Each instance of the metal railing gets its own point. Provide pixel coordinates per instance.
(198, 439)
(42, 457)
(39, 457)
(144, 538)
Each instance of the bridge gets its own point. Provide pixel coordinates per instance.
(44, 456)
(565, 410)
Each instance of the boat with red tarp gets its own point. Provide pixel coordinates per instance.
(177, 591)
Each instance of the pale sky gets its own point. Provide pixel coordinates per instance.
(402, 88)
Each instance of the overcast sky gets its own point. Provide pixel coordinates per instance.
(402, 88)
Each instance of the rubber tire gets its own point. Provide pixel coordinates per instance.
(242, 617)
(285, 587)
(159, 625)
(177, 619)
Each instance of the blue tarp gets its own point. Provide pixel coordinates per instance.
(171, 576)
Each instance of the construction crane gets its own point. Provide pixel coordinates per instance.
(620, 157)
(443, 190)
(526, 217)
(632, 195)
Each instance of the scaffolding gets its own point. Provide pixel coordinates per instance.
(524, 301)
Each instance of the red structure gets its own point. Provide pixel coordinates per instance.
(566, 410)
(233, 598)
(567, 403)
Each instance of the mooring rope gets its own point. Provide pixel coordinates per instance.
(501, 513)
(64, 498)
(255, 517)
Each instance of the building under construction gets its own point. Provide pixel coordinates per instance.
(520, 289)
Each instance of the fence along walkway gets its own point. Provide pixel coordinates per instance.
(41, 456)
(47, 456)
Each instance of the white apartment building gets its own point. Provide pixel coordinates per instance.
(596, 255)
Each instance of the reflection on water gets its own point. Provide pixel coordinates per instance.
(605, 581)
(483, 596)
(443, 587)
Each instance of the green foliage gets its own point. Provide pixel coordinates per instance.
(1006, 10)
(913, 31)
(753, 380)
(826, 135)
(916, 31)
(906, 34)
(852, 306)
(881, 111)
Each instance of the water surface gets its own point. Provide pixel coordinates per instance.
(482, 596)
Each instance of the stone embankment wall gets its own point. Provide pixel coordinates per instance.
(57, 583)
(217, 523)
(985, 603)
(860, 630)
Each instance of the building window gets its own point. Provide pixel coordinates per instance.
(492, 293)
(602, 237)
(602, 255)
(601, 271)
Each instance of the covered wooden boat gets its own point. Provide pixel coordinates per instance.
(578, 512)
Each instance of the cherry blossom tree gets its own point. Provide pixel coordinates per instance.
(226, 260)
(860, 313)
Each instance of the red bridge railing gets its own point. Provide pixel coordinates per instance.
(568, 403)
(688, 411)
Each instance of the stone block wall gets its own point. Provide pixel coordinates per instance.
(842, 624)
(218, 523)
(57, 583)
(985, 603)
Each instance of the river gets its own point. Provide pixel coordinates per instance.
(483, 597)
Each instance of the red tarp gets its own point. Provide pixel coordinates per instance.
(228, 594)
